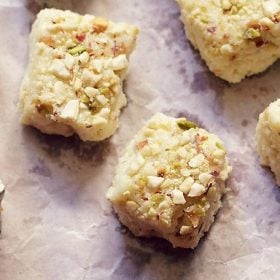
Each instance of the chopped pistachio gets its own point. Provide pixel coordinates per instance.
(186, 124)
(85, 99)
(77, 50)
(157, 198)
(220, 146)
(104, 90)
(252, 34)
(142, 182)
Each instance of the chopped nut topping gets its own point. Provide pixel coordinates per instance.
(101, 99)
(97, 64)
(48, 40)
(71, 110)
(81, 37)
(185, 124)
(185, 230)
(252, 34)
(197, 161)
(78, 84)
(178, 197)
(154, 181)
(69, 61)
(45, 109)
(119, 62)
(91, 92)
(196, 190)
(84, 58)
(131, 205)
(142, 144)
(77, 50)
(204, 178)
(90, 78)
(58, 68)
(100, 24)
(185, 187)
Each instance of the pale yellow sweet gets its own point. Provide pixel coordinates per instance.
(268, 138)
(170, 181)
(236, 38)
(73, 82)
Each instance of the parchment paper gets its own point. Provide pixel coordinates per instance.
(57, 223)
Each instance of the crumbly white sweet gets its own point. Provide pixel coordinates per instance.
(2, 191)
(74, 79)
(170, 181)
(268, 138)
(236, 38)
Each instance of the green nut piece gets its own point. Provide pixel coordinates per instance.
(220, 146)
(85, 99)
(77, 50)
(252, 34)
(185, 124)
(104, 90)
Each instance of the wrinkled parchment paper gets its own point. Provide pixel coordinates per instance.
(57, 223)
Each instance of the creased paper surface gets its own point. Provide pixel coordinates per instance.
(57, 223)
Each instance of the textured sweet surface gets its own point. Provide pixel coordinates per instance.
(74, 79)
(236, 38)
(55, 210)
(170, 181)
(268, 138)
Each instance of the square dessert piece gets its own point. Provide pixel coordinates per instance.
(268, 138)
(170, 181)
(73, 82)
(236, 38)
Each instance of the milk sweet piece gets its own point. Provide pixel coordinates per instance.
(73, 82)
(236, 38)
(268, 138)
(170, 181)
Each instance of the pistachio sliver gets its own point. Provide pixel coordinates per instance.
(186, 124)
(252, 34)
(220, 146)
(77, 50)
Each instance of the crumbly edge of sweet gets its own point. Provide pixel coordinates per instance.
(177, 168)
(268, 138)
(89, 62)
(234, 25)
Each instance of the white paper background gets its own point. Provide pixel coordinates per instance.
(57, 223)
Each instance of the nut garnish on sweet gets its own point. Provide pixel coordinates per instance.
(74, 79)
(236, 38)
(170, 181)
